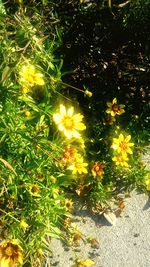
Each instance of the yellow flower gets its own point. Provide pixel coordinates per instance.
(98, 169)
(121, 160)
(30, 77)
(68, 123)
(53, 179)
(23, 225)
(40, 252)
(88, 93)
(68, 222)
(24, 90)
(34, 190)
(27, 113)
(78, 166)
(55, 192)
(85, 263)
(114, 108)
(68, 204)
(148, 185)
(122, 145)
(11, 253)
(69, 154)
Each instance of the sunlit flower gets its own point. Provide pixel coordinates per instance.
(68, 222)
(88, 93)
(40, 252)
(55, 192)
(53, 179)
(84, 263)
(27, 113)
(34, 190)
(78, 166)
(114, 108)
(68, 204)
(68, 123)
(147, 181)
(25, 90)
(69, 154)
(11, 253)
(148, 185)
(81, 143)
(39, 176)
(122, 145)
(98, 169)
(23, 225)
(29, 76)
(121, 160)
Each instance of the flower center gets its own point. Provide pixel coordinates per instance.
(34, 189)
(97, 169)
(9, 251)
(123, 145)
(115, 108)
(68, 205)
(68, 123)
(32, 78)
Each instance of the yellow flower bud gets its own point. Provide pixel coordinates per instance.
(23, 225)
(88, 93)
(27, 113)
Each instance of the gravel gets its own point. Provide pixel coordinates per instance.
(125, 244)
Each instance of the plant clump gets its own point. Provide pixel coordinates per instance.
(55, 150)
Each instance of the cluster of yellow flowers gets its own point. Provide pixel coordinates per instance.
(70, 125)
(122, 147)
(30, 77)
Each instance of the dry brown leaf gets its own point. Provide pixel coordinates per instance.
(8, 165)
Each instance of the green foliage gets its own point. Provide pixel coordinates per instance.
(28, 151)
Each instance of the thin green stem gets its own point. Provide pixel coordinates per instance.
(9, 215)
(73, 87)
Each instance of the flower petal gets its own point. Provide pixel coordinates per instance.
(128, 138)
(5, 262)
(61, 127)
(80, 126)
(109, 104)
(76, 134)
(78, 117)
(70, 111)
(114, 101)
(57, 118)
(62, 110)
